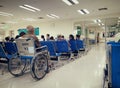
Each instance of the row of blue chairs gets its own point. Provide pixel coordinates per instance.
(58, 48)
(55, 48)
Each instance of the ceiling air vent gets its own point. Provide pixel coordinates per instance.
(1, 5)
(40, 17)
(3, 23)
(101, 9)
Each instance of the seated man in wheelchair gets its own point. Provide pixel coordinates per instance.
(31, 35)
(29, 50)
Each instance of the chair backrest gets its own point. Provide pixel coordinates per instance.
(51, 47)
(62, 46)
(80, 44)
(2, 52)
(26, 47)
(73, 45)
(10, 47)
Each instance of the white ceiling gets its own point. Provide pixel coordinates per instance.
(59, 8)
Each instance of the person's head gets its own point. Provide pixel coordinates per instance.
(71, 37)
(77, 36)
(48, 35)
(22, 34)
(7, 38)
(42, 36)
(17, 36)
(51, 38)
(62, 36)
(59, 37)
(30, 29)
(12, 39)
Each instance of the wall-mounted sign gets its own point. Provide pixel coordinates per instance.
(36, 31)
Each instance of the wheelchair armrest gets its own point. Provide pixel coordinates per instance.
(42, 48)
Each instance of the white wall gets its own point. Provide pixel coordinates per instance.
(64, 27)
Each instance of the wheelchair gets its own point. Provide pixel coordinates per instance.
(37, 57)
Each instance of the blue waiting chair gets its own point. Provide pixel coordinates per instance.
(63, 49)
(51, 48)
(73, 45)
(12, 59)
(3, 54)
(10, 47)
(80, 45)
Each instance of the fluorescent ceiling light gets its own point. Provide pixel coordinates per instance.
(86, 11)
(29, 19)
(80, 12)
(31, 7)
(52, 16)
(67, 2)
(27, 8)
(83, 11)
(75, 1)
(5, 14)
(12, 22)
(97, 21)
(70, 2)
(99, 24)
(55, 15)
(102, 24)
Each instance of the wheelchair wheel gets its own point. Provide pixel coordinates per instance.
(16, 66)
(39, 66)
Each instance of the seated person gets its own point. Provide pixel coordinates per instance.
(17, 36)
(59, 38)
(71, 37)
(22, 34)
(31, 34)
(12, 39)
(77, 37)
(42, 37)
(47, 37)
(52, 38)
(7, 39)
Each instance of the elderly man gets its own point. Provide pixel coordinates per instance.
(31, 34)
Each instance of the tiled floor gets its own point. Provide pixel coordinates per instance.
(85, 72)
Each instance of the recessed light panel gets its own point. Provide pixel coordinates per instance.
(30, 8)
(83, 11)
(70, 2)
(52, 16)
(5, 14)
